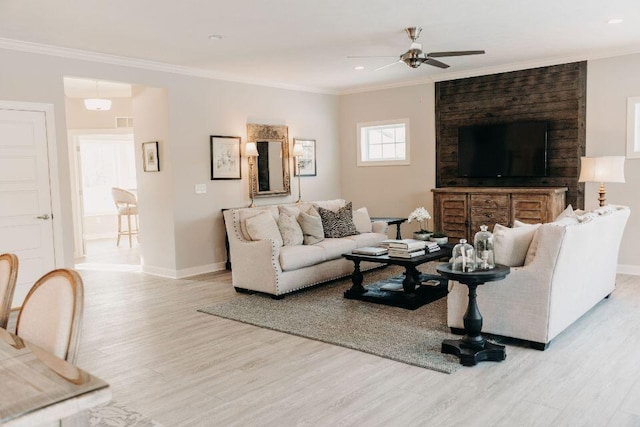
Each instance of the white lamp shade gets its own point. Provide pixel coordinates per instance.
(251, 150)
(602, 169)
(297, 150)
(98, 104)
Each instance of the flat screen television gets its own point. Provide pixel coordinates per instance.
(516, 149)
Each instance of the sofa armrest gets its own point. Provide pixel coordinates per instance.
(255, 265)
(379, 227)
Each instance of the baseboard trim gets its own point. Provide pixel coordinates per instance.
(629, 269)
(185, 272)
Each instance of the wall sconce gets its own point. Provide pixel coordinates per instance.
(251, 151)
(297, 152)
(602, 169)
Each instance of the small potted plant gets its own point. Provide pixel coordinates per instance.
(422, 216)
(439, 238)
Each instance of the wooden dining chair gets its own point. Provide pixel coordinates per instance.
(127, 206)
(51, 315)
(8, 276)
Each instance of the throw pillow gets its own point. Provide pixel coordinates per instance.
(290, 230)
(511, 244)
(263, 227)
(533, 246)
(567, 213)
(338, 224)
(311, 226)
(362, 220)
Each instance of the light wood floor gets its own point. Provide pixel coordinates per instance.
(143, 335)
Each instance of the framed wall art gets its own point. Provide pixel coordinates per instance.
(150, 157)
(305, 165)
(225, 157)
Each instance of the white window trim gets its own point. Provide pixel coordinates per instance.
(633, 138)
(369, 163)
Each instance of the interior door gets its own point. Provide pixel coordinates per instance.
(26, 225)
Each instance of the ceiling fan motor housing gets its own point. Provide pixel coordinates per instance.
(413, 57)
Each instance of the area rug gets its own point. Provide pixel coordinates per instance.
(321, 313)
(114, 414)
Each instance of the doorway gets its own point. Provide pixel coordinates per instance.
(101, 156)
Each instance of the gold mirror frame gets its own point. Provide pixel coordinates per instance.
(265, 133)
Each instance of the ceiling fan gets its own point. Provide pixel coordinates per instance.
(415, 56)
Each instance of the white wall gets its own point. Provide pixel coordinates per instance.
(197, 108)
(609, 83)
(390, 190)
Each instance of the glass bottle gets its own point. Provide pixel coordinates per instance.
(463, 257)
(485, 255)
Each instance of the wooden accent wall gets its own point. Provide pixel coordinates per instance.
(556, 94)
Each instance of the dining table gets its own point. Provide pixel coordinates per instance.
(39, 388)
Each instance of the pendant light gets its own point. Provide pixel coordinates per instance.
(97, 103)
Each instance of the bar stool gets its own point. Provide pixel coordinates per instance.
(127, 206)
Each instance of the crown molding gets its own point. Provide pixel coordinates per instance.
(103, 58)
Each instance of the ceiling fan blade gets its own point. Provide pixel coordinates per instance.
(435, 63)
(455, 53)
(372, 56)
(388, 65)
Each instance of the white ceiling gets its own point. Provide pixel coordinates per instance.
(305, 43)
(86, 88)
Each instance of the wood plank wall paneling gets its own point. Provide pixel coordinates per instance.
(556, 94)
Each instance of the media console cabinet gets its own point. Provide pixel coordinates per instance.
(460, 211)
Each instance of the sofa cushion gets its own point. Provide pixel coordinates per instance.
(367, 239)
(567, 213)
(332, 205)
(290, 230)
(337, 224)
(334, 248)
(263, 227)
(511, 244)
(533, 246)
(299, 256)
(244, 214)
(294, 210)
(311, 226)
(362, 220)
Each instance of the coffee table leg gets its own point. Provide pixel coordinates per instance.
(356, 278)
(411, 279)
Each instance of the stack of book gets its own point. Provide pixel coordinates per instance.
(407, 248)
(432, 247)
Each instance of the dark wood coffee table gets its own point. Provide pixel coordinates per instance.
(413, 294)
(473, 347)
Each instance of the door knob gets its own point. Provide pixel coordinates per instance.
(45, 216)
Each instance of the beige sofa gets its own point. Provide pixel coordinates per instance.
(571, 266)
(265, 266)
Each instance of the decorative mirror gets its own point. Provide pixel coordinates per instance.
(270, 177)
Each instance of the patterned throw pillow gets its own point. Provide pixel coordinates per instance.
(338, 224)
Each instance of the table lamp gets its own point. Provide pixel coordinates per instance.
(251, 151)
(297, 152)
(602, 169)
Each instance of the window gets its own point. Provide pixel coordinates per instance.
(383, 143)
(633, 127)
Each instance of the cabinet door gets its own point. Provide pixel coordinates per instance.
(451, 216)
(488, 209)
(530, 208)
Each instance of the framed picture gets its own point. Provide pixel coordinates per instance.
(150, 158)
(305, 165)
(225, 157)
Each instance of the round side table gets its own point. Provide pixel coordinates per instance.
(473, 347)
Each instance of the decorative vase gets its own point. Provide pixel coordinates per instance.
(439, 240)
(421, 236)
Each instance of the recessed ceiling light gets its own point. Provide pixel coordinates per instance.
(359, 67)
(615, 21)
(215, 37)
